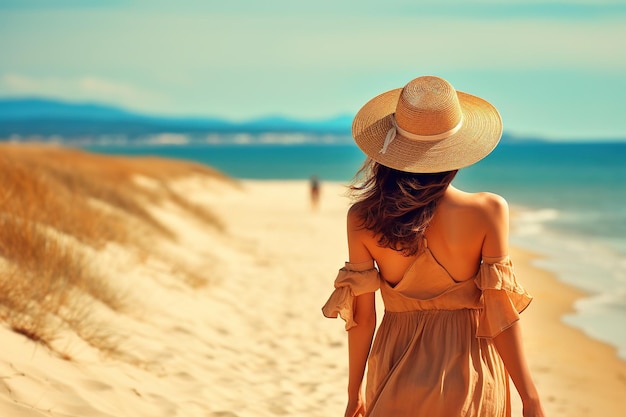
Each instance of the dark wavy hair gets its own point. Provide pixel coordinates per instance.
(398, 206)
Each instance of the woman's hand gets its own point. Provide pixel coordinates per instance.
(355, 407)
(532, 409)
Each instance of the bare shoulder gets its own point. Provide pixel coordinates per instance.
(355, 221)
(358, 237)
(495, 218)
(487, 211)
(484, 204)
(493, 205)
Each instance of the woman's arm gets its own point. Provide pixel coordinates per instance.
(359, 337)
(509, 346)
(359, 343)
(509, 342)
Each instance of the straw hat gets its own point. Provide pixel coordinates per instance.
(427, 126)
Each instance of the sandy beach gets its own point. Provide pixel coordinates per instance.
(250, 340)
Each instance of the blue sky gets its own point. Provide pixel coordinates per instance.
(554, 69)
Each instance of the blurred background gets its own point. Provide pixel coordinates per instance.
(556, 70)
(267, 90)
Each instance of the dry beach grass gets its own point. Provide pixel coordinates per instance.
(56, 203)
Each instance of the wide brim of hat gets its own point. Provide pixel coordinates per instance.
(478, 136)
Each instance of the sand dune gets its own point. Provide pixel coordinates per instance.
(225, 321)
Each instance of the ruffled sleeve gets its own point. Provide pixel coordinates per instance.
(352, 280)
(502, 299)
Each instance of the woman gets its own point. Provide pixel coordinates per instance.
(450, 336)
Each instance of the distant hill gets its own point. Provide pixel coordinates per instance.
(44, 117)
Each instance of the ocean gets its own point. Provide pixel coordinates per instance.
(568, 200)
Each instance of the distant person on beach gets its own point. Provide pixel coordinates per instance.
(315, 192)
(450, 335)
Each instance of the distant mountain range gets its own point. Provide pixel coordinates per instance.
(47, 119)
(43, 117)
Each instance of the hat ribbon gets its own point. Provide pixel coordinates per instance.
(391, 134)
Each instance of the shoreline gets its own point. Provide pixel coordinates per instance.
(592, 265)
(575, 374)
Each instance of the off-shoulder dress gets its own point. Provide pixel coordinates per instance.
(433, 354)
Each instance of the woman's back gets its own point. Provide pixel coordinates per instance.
(465, 227)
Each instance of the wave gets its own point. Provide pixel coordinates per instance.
(528, 221)
(594, 264)
(210, 139)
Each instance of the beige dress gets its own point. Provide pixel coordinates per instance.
(433, 353)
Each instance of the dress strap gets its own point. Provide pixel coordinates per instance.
(425, 241)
